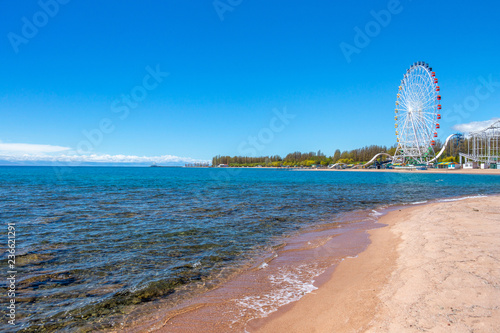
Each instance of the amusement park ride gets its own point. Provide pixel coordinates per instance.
(417, 116)
(484, 146)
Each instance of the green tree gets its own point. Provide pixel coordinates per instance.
(336, 156)
(448, 159)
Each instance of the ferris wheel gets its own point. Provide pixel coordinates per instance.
(417, 116)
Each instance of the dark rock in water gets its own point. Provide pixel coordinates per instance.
(33, 259)
(122, 214)
(52, 219)
(47, 280)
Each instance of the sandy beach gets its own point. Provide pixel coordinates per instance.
(435, 267)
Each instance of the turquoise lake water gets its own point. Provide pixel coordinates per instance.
(94, 242)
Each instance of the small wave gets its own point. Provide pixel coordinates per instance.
(374, 213)
(463, 198)
(263, 265)
(419, 202)
(288, 286)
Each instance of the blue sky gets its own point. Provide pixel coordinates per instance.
(232, 66)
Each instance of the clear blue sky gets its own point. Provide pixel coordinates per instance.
(226, 76)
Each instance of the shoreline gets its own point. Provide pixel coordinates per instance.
(441, 276)
(348, 299)
(347, 286)
(284, 277)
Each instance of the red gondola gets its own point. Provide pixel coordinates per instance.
(439, 106)
(433, 143)
(435, 135)
(437, 125)
(437, 88)
(439, 116)
(435, 80)
(433, 74)
(439, 97)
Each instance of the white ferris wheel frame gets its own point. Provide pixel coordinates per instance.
(416, 118)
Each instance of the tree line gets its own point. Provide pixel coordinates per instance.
(304, 159)
(354, 156)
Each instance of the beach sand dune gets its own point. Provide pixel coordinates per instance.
(435, 268)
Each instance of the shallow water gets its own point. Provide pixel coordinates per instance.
(95, 243)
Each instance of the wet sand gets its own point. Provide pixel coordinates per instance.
(436, 267)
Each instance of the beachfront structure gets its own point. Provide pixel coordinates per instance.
(417, 115)
(483, 147)
(448, 165)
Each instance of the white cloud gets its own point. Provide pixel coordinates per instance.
(96, 158)
(474, 126)
(29, 148)
(32, 153)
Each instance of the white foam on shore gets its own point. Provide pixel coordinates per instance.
(375, 213)
(419, 202)
(463, 198)
(263, 265)
(289, 285)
